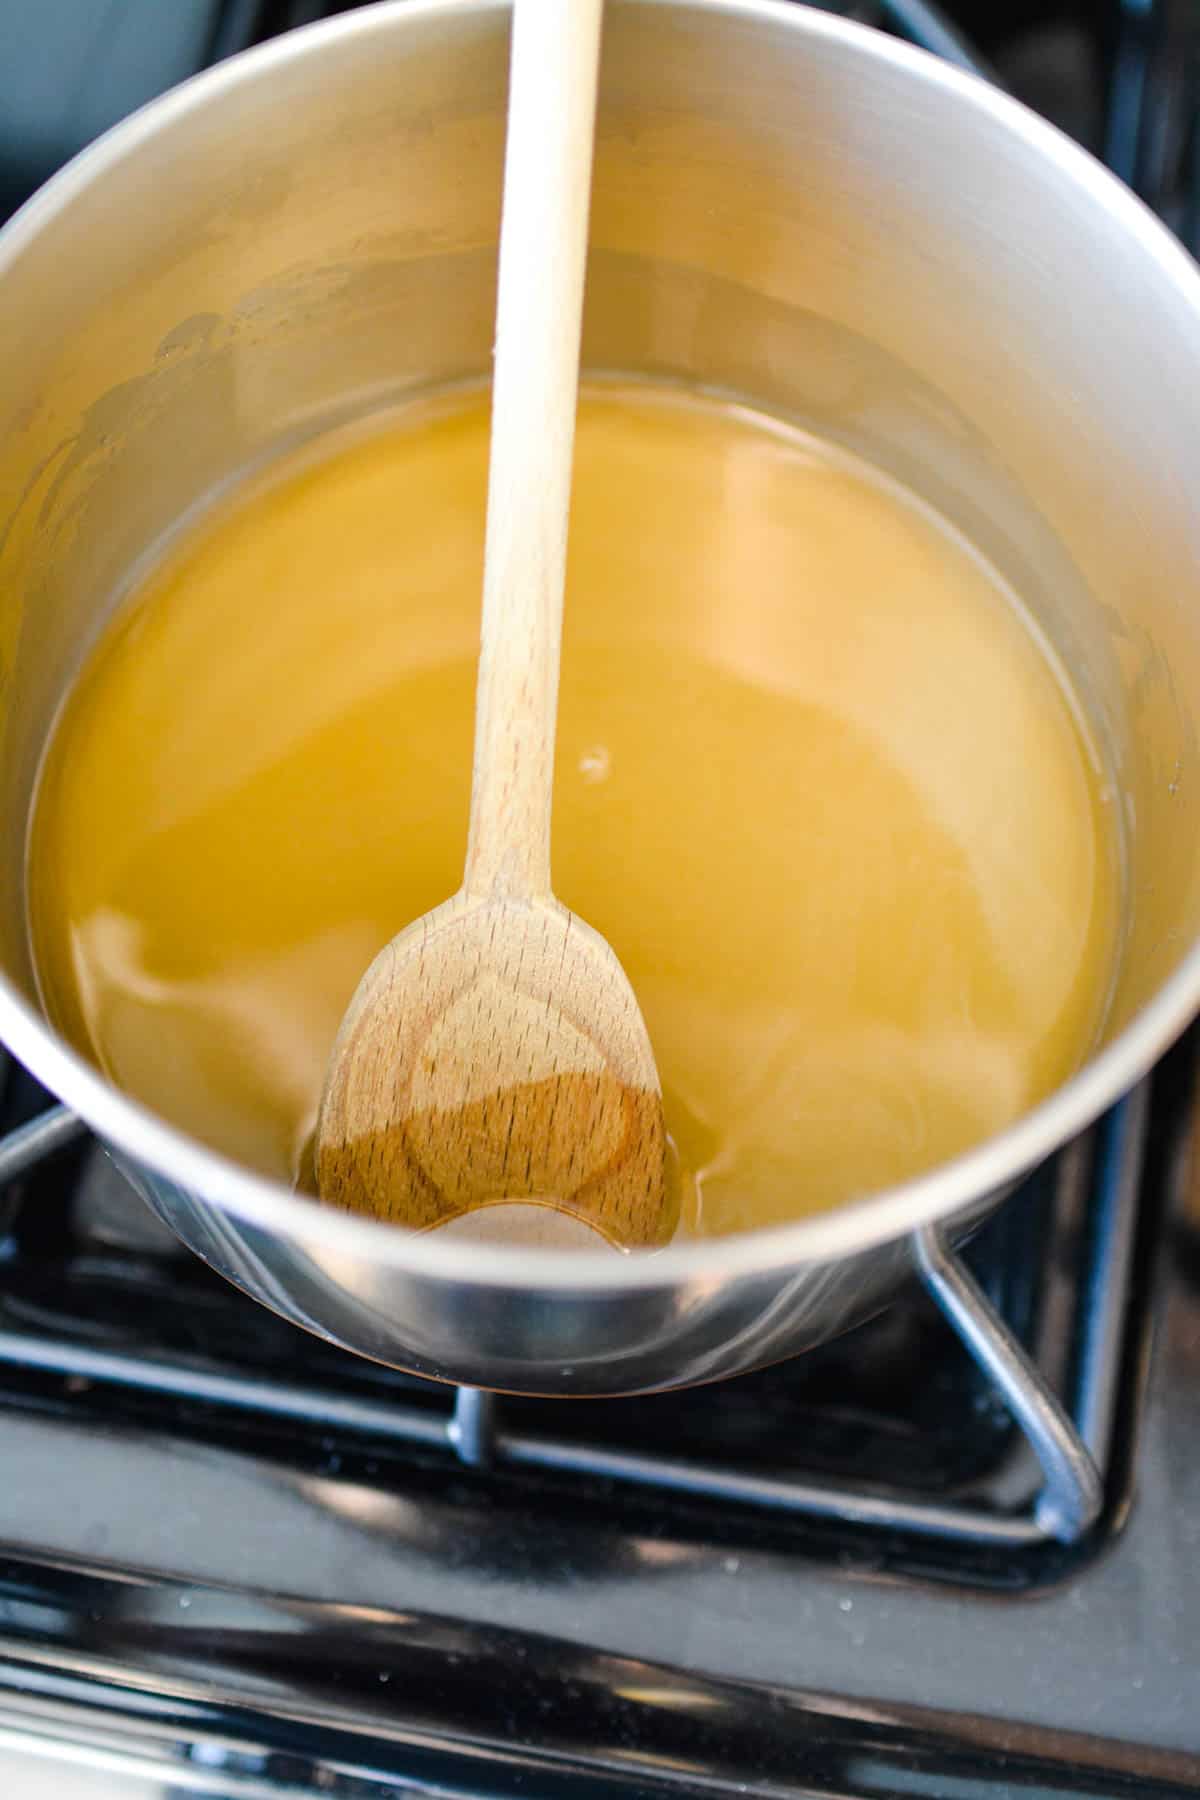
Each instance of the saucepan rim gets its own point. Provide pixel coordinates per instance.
(841, 1232)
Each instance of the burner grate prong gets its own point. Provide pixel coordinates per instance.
(472, 1428)
(1071, 1500)
(22, 1149)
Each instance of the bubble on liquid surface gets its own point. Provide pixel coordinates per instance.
(595, 763)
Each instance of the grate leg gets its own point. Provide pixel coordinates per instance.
(1070, 1501)
(472, 1430)
(28, 1144)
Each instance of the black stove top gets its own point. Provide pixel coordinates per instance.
(235, 1561)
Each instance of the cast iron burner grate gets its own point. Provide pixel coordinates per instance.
(890, 1447)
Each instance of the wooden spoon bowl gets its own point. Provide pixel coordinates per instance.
(495, 1051)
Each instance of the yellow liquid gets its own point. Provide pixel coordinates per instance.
(817, 784)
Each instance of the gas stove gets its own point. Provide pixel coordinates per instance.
(237, 1562)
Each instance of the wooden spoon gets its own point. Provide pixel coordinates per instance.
(494, 1050)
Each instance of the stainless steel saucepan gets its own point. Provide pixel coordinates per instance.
(786, 206)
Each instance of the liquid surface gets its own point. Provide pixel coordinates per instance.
(817, 785)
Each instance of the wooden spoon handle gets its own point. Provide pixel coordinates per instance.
(543, 251)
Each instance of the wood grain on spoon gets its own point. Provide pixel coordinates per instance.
(494, 1050)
